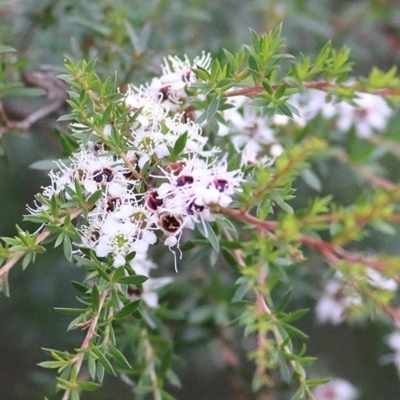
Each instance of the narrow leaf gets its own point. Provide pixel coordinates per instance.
(103, 360)
(128, 309)
(180, 144)
(95, 299)
(133, 280)
(119, 357)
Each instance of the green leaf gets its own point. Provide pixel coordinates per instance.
(206, 230)
(52, 364)
(119, 356)
(95, 299)
(166, 396)
(299, 395)
(384, 227)
(294, 331)
(42, 165)
(68, 311)
(92, 366)
(88, 386)
(180, 144)
(202, 73)
(118, 274)
(133, 280)
(75, 395)
(80, 287)
(316, 382)
(102, 273)
(94, 197)
(281, 203)
(173, 378)
(284, 370)
(297, 314)
(127, 310)
(4, 285)
(285, 300)
(311, 179)
(67, 247)
(212, 107)
(100, 372)
(240, 292)
(103, 360)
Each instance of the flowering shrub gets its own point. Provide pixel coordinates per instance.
(203, 162)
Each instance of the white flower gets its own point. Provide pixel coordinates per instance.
(94, 172)
(116, 242)
(311, 103)
(250, 131)
(334, 304)
(393, 340)
(177, 74)
(195, 141)
(150, 107)
(121, 228)
(142, 266)
(370, 113)
(144, 222)
(197, 185)
(148, 142)
(336, 389)
(380, 282)
(58, 183)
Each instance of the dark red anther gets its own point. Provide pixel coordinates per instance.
(112, 204)
(104, 175)
(164, 93)
(170, 223)
(152, 201)
(184, 180)
(221, 185)
(193, 207)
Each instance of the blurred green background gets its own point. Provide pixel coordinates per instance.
(131, 37)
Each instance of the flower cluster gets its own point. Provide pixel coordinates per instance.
(170, 88)
(255, 134)
(367, 113)
(340, 297)
(166, 181)
(249, 131)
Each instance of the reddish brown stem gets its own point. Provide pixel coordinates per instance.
(320, 85)
(332, 253)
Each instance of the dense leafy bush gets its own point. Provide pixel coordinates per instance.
(220, 201)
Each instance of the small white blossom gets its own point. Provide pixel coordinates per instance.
(148, 142)
(380, 282)
(339, 298)
(250, 132)
(393, 340)
(334, 303)
(117, 241)
(150, 107)
(177, 74)
(367, 114)
(310, 103)
(142, 266)
(370, 113)
(336, 389)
